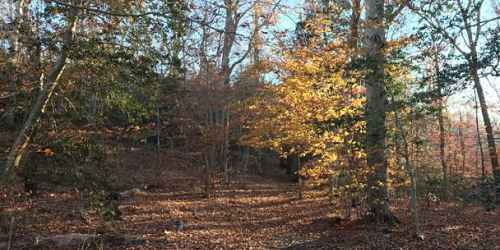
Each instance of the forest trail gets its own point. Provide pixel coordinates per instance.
(253, 213)
(256, 214)
(117, 118)
(261, 213)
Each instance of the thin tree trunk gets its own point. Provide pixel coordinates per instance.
(208, 173)
(259, 162)
(411, 172)
(472, 59)
(480, 144)
(442, 150)
(442, 131)
(472, 23)
(375, 112)
(209, 154)
(225, 159)
(462, 143)
(301, 181)
(158, 134)
(16, 60)
(487, 123)
(48, 86)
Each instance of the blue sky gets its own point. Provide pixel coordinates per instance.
(290, 16)
(458, 103)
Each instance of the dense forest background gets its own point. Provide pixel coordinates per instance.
(249, 124)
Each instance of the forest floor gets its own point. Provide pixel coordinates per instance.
(253, 213)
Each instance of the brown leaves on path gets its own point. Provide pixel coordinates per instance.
(252, 213)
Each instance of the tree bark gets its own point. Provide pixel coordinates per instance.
(442, 149)
(231, 23)
(411, 172)
(355, 18)
(48, 86)
(375, 113)
(438, 85)
(229, 35)
(487, 122)
(301, 181)
(15, 60)
(462, 143)
(480, 144)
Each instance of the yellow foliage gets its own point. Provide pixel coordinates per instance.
(315, 110)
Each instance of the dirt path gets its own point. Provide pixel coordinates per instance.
(255, 213)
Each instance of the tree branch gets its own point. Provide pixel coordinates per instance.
(392, 16)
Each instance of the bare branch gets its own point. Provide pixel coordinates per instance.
(437, 27)
(392, 16)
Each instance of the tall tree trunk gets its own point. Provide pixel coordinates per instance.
(210, 123)
(229, 35)
(355, 18)
(442, 149)
(462, 143)
(225, 150)
(375, 112)
(16, 59)
(479, 142)
(10, 112)
(257, 41)
(158, 132)
(473, 62)
(48, 86)
(487, 122)
(441, 107)
(230, 25)
(411, 172)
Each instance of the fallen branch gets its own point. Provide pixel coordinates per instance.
(133, 192)
(63, 240)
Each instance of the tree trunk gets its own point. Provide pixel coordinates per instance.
(301, 181)
(229, 35)
(231, 21)
(487, 122)
(48, 86)
(480, 144)
(442, 149)
(15, 60)
(411, 172)
(225, 150)
(10, 112)
(436, 81)
(256, 41)
(260, 158)
(375, 113)
(208, 173)
(355, 17)
(158, 133)
(462, 143)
